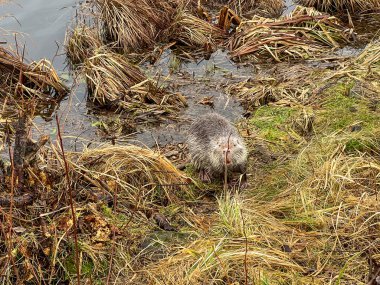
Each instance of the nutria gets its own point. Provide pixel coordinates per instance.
(213, 144)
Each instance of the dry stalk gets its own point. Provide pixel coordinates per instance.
(304, 34)
(113, 238)
(71, 200)
(246, 248)
(10, 216)
(225, 164)
(353, 6)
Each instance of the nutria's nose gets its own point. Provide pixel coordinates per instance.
(227, 156)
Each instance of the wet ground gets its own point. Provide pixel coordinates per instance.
(41, 25)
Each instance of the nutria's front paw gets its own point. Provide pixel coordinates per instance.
(243, 185)
(240, 183)
(204, 176)
(243, 182)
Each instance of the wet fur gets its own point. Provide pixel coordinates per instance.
(204, 139)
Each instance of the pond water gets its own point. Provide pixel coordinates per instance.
(41, 26)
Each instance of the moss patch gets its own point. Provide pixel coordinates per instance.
(342, 112)
(270, 122)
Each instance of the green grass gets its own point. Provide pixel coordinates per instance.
(341, 112)
(270, 122)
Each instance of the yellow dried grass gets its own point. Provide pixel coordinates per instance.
(113, 81)
(141, 177)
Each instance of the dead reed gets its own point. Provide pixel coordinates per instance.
(192, 31)
(125, 22)
(32, 87)
(38, 79)
(114, 82)
(80, 43)
(245, 8)
(248, 8)
(305, 33)
(294, 85)
(144, 178)
(353, 6)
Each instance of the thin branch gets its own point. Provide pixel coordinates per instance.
(70, 200)
(225, 164)
(246, 249)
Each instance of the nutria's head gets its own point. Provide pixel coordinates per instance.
(229, 151)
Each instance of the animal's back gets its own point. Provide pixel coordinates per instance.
(209, 126)
(202, 132)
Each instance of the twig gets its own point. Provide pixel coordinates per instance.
(71, 200)
(113, 238)
(246, 249)
(225, 164)
(10, 220)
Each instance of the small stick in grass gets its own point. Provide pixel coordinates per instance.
(246, 249)
(225, 164)
(71, 201)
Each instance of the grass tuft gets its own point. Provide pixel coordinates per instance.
(80, 43)
(114, 82)
(125, 22)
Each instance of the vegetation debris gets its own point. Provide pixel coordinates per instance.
(38, 79)
(114, 82)
(305, 33)
(353, 6)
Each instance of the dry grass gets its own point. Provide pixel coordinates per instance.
(136, 181)
(353, 6)
(113, 81)
(283, 85)
(264, 8)
(320, 228)
(125, 22)
(80, 43)
(39, 79)
(247, 8)
(142, 177)
(192, 31)
(304, 34)
(301, 84)
(366, 66)
(33, 87)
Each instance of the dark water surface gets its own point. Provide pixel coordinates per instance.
(41, 25)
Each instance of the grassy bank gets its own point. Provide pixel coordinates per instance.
(125, 214)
